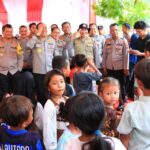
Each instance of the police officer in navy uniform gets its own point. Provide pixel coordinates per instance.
(11, 62)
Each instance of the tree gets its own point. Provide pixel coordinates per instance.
(123, 10)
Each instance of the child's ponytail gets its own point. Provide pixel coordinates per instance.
(97, 143)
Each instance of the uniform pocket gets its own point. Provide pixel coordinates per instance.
(13, 51)
(108, 48)
(118, 50)
(2, 51)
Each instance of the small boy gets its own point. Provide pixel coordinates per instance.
(17, 113)
(134, 124)
(61, 63)
(82, 80)
(147, 49)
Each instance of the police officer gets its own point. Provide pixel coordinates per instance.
(115, 60)
(43, 48)
(100, 41)
(84, 44)
(23, 38)
(67, 37)
(55, 34)
(33, 29)
(27, 80)
(11, 62)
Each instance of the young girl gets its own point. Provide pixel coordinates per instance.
(71, 131)
(87, 114)
(109, 91)
(53, 125)
(17, 113)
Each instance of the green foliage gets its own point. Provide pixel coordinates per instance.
(123, 10)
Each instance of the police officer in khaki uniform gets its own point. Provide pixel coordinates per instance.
(116, 58)
(43, 48)
(67, 37)
(84, 44)
(11, 62)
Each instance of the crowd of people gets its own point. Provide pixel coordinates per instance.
(77, 91)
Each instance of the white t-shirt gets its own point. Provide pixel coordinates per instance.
(38, 116)
(50, 125)
(76, 144)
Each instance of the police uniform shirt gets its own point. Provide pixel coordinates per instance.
(115, 54)
(100, 41)
(11, 57)
(68, 39)
(27, 53)
(85, 46)
(43, 52)
(60, 48)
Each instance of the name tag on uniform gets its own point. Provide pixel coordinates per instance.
(13, 47)
(38, 45)
(89, 44)
(50, 46)
(108, 46)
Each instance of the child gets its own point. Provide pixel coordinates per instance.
(73, 69)
(17, 113)
(52, 123)
(71, 131)
(82, 80)
(109, 91)
(147, 49)
(134, 124)
(61, 63)
(87, 114)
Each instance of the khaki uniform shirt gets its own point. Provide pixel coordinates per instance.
(11, 57)
(115, 54)
(85, 46)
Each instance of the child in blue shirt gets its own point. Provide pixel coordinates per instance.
(71, 131)
(82, 80)
(17, 113)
